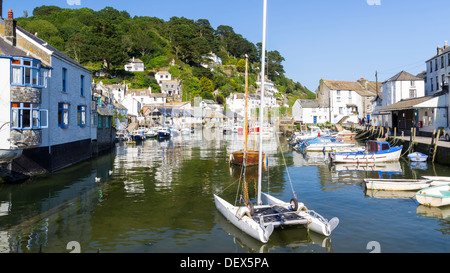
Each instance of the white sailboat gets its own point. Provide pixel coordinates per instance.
(259, 220)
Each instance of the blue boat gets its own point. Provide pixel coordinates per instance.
(376, 151)
(163, 133)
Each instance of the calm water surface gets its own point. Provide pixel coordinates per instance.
(158, 197)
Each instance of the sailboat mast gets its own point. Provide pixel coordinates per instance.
(261, 107)
(246, 118)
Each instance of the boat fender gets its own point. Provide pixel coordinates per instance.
(294, 204)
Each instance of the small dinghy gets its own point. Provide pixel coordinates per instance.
(397, 184)
(436, 196)
(417, 157)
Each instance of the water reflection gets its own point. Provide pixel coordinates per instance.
(156, 196)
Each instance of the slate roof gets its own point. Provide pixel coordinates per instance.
(405, 104)
(403, 76)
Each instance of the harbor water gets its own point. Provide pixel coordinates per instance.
(157, 197)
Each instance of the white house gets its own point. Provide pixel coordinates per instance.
(211, 60)
(438, 69)
(347, 101)
(401, 86)
(46, 102)
(134, 65)
(269, 86)
(437, 76)
(162, 76)
(310, 112)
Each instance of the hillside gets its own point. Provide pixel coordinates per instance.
(105, 40)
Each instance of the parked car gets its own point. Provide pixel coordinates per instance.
(447, 133)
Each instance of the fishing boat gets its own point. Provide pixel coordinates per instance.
(397, 184)
(259, 220)
(436, 196)
(417, 157)
(247, 157)
(163, 133)
(375, 151)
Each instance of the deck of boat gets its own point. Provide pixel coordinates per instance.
(278, 216)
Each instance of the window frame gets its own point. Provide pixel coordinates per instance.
(64, 80)
(34, 115)
(82, 86)
(63, 112)
(21, 67)
(81, 115)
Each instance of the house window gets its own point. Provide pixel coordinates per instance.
(341, 110)
(436, 64)
(81, 115)
(64, 79)
(413, 84)
(437, 83)
(27, 72)
(431, 66)
(63, 114)
(412, 93)
(100, 122)
(82, 85)
(448, 59)
(442, 61)
(108, 122)
(431, 83)
(27, 116)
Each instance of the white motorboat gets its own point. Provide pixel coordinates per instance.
(437, 196)
(259, 220)
(417, 157)
(397, 184)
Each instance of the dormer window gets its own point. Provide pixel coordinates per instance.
(27, 72)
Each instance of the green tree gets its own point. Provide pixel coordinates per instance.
(206, 85)
(241, 65)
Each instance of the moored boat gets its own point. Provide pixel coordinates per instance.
(396, 184)
(376, 151)
(436, 196)
(163, 133)
(417, 157)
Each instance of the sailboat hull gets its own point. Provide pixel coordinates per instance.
(252, 158)
(237, 216)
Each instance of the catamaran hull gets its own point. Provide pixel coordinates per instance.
(236, 215)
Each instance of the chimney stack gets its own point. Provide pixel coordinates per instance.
(10, 28)
(445, 45)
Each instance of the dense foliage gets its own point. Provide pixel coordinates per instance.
(107, 39)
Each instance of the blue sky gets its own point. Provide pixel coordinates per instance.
(332, 39)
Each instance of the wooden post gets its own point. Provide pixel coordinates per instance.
(436, 144)
(395, 132)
